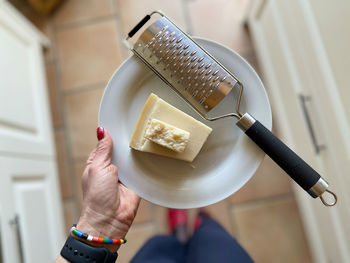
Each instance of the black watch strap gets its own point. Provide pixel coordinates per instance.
(76, 251)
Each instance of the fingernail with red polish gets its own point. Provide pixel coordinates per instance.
(100, 133)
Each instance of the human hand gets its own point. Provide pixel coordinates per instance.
(109, 208)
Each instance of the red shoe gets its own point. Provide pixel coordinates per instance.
(178, 223)
(176, 218)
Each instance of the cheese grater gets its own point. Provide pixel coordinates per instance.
(203, 82)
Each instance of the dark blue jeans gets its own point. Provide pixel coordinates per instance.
(210, 243)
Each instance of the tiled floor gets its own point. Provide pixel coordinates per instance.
(86, 48)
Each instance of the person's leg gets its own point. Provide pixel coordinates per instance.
(161, 249)
(167, 249)
(211, 243)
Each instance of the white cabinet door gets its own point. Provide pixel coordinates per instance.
(31, 215)
(31, 223)
(25, 125)
(295, 55)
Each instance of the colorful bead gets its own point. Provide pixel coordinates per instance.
(108, 240)
(91, 238)
(77, 232)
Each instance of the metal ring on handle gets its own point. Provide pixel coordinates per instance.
(334, 196)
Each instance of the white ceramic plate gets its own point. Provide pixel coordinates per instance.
(227, 160)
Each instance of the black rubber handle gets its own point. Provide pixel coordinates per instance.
(139, 25)
(288, 160)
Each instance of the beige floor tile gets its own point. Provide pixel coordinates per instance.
(79, 167)
(63, 166)
(88, 54)
(161, 219)
(137, 236)
(132, 11)
(144, 213)
(55, 103)
(269, 180)
(81, 114)
(70, 214)
(73, 11)
(272, 231)
(222, 21)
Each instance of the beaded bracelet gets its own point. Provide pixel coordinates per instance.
(91, 238)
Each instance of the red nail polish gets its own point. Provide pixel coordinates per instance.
(100, 133)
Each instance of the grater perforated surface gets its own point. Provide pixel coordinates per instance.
(184, 65)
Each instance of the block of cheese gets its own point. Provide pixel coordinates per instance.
(156, 108)
(167, 135)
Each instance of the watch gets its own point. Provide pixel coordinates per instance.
(76, 251)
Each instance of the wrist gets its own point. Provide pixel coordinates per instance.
(99, 225)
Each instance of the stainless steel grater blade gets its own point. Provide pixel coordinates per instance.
(187, 68)
(203, 82)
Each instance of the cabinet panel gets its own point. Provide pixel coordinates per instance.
(32, 225)
(24, 111)
(30, 196)
(332, 21)
(14, 105)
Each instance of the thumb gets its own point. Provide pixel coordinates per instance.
(102, 154)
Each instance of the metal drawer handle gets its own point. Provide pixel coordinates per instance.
(15, 224)
(318, 147)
